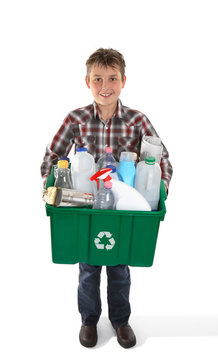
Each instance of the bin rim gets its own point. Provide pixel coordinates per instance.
(72, 209)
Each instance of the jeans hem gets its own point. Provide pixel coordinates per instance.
(116, 326)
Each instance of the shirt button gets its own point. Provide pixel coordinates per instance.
(106, 127)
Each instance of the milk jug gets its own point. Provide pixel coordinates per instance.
(83, 167)
(147, 181)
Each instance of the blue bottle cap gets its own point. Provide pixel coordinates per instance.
(81, 149)
(65, 158)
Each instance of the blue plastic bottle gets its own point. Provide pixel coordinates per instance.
(126, 169)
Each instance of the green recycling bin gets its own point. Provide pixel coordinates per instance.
(104, 237)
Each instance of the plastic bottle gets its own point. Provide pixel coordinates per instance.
(128, 198)
(82, 168)
(126, 168)
(108, 161)
(56, 166)
(147, 180)
(63, 178)
(104, 198)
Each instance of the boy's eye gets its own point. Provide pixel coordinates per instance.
(113, 79)
(97, 79)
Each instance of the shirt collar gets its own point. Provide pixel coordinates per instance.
(119, 112)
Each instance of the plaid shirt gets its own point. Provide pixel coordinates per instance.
(85, 128)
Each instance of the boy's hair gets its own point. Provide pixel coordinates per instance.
(106, 57)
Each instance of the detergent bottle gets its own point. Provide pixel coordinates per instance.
(102, 175)
(147, 181)
(128, 198)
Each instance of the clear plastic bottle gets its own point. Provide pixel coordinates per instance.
(108, 161)
(147, 180)
(56, 166)
(63, 175)
(83, 167)
(104, 198)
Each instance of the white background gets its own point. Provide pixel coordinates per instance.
(170, 48)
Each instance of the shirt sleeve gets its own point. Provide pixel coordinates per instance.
(60, 146)
(165, 165)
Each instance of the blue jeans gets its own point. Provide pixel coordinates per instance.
(89, 300)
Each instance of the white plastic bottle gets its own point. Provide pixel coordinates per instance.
(63, 178)
(83, 167)
(104, 198)
(147, 181)
(128, 198)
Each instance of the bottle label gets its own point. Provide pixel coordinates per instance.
(112, 167)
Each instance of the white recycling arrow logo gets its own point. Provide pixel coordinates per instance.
(101, 246)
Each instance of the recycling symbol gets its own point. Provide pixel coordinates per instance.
(110, 240)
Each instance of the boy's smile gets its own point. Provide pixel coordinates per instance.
(105, 84)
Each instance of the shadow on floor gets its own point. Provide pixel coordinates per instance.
(161, 326)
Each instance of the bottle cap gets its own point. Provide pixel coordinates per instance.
(112, 167)
(65, 158)
(128, 156)
(108, 150)
(150, 160)
(63, 164)
(108, 184)
(81, 149)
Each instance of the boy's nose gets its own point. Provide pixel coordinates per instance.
(104, 85)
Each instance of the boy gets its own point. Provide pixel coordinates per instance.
(104, 123)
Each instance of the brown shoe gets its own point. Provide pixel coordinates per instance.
(125, 336)
(88, 335)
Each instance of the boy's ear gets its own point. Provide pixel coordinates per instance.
(124, 82)
(87, 82)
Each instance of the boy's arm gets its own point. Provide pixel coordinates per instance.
(166, 167)
(60, 146)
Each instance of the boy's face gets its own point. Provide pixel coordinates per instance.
(105, 84)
